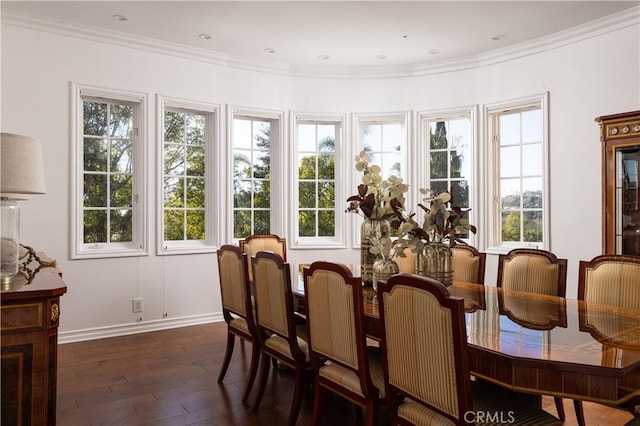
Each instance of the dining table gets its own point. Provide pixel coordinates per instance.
(539, 344)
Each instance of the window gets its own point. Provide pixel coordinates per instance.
(255, 137)
(109, 159)
(518, 135)
(384, 138)
(318, 214)
(450, 160)
(187, 145)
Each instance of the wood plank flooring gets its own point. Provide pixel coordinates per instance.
(170, 378)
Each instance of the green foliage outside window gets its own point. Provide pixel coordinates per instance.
(107, 172)
(184, 170)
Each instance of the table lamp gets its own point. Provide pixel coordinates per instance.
(21, 174)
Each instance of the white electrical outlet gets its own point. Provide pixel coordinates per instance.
(137, 305)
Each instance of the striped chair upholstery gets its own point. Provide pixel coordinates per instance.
(341, 361)
(263, 242)
(468, 264)
(282, 337)
(406, 264)
(609, 279)
(237, 309)
(535, 271)
(426, 368)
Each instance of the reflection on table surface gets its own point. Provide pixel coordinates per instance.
(541, 327)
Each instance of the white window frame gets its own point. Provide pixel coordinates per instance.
(424, 117)
(339, 120)
(494, 243)
(359, 121)
(279, 199)
(211, 112)
(139, 244)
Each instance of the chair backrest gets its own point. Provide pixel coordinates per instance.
(260, 242)
(611, 279)
(468, 264)
(406, 264)
(335, 314)
(274, 296)
(424, 345)
(234, 282)
(533, 270)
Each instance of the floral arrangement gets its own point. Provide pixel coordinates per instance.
(377, 198)
(440, 222)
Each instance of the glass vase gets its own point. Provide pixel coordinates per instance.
(370, 228)
(436, 261)
(10, 216)
(383, 269)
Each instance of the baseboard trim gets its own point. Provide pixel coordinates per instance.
(135, 328)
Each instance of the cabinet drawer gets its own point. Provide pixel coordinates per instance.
(21, 316)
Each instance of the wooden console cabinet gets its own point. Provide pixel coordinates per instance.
(620, 137)
(29, 326)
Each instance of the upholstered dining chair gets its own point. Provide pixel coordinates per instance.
(468, 264)
(426, 369)
(534, 271)
(259, 242)
(406, 264)
(237, 309)
(280, 335)
(609, 279)
(341, 360)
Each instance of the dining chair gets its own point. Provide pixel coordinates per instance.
(259, 242)
(534, 271)
(406, 264)
(468, 264)
(281, 336)
(426, 366)
(237, 309)
(609, 279)
(341, 360)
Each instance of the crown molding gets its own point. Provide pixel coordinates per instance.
(585, 31)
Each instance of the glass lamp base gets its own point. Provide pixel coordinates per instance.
(9, 238)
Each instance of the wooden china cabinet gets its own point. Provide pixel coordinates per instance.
(30, 314)
(620, 137)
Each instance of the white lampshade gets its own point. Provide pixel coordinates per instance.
(22, 170)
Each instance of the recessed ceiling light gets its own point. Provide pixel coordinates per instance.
(434, 52)
(381, 57)
(498, 37)
(323, 57)
(204, 36)
(121, 18)
(267, 50)
(405, 36)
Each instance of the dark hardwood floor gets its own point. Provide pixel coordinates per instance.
(170, 378)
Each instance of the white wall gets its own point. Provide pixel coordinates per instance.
(593, 77)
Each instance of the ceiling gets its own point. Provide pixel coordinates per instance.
(339, 34)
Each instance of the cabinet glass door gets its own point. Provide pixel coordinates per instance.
(627, 201)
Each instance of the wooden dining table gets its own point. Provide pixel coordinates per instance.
(542, 345)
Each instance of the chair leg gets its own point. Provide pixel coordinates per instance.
(577, 404)
(298, 395)
(318, 402)
(231, 339)
(559, 407)
(262, 383)
(253, 369)
(371, 415)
